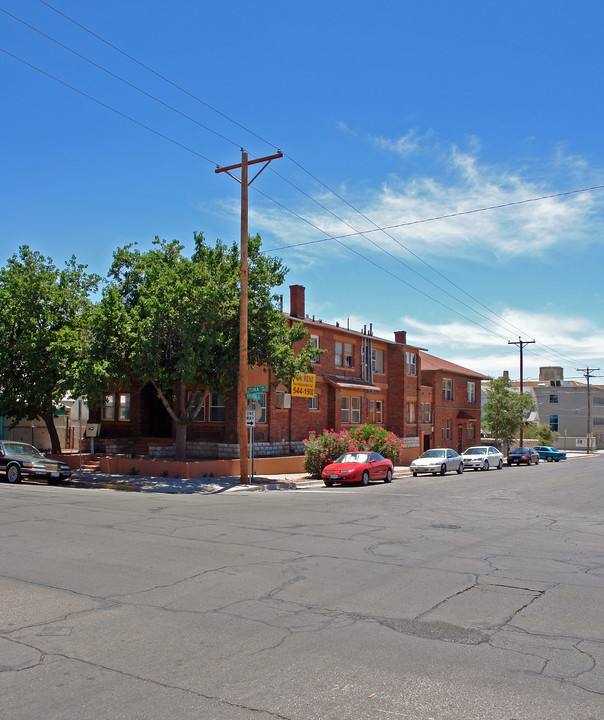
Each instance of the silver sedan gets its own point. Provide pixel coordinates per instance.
(437, 460)
(482, 458)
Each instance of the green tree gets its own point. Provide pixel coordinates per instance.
(503, 412)
(173, 321)
(44, 314)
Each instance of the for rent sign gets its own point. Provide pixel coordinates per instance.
(303, 385)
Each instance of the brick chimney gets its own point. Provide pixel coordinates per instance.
(296, 301)
(400, 336)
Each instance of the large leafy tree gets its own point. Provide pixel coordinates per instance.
(44, 313)
(173, 321)
(504, 409)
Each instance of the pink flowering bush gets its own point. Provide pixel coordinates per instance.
(320, 450)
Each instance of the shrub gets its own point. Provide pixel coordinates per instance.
(320, 450)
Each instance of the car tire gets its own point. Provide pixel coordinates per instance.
(500, 465)
(537, 461)
(414, 474)
(328, 483)
(443, 469)
(510, 464)
(13, 474)
(460, 468)
(388, 477)
(549, 458)
(485, 465)
(365, 478)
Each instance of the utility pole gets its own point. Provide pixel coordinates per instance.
(521, 343)
(243, 301)
(587, 372)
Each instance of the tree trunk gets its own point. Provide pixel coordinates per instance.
(181, 441)
(53, 434)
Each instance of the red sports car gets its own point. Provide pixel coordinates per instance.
(360, 467)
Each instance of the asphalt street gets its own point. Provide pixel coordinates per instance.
(472, 597)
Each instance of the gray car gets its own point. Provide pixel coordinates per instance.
(437, 461)
(19, 460)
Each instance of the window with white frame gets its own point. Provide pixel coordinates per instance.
(124, 407)
(471, 392)
(411, 362)
(471, 430)
(377, 360)
(447, 389)
(355, 410)
(428, 412)
(338, 359)
(109, 408)
(348, 356)
(217, 411)
(261, 400)
(314, 341)
(345, 406)
(446, 429)
(378, 411)
(410, 412)
(313, 402)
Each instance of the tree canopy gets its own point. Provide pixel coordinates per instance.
(503, 412)
(173, 321)
(43, 318)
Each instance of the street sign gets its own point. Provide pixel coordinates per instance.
(257, 389)
(252, 395)
(250, 418)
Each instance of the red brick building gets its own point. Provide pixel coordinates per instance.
(360, 379)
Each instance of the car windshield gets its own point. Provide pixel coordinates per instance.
(433, 454)
(519, 451)
(14, 448)
(474, 451)
(353, 458)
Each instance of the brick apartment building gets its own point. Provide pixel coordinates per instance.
(360, 378)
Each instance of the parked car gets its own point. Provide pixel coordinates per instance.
(550, 454)
(358, 467)
(19, 460)
(437, 460)
(523, 455)
(482, 458)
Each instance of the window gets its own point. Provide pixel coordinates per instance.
(314, 341)
(447, 389)
(201, 415)
(375, 411)
(216, 407)
(553, 422)
(262, 402)
(446, 429)
(313, 402)
(348, 360)
(377, 361)
(124, 407)
(553, 398)
(355, 416)
(109, 408)
(410, 412)
(411, 362)
(421, 412)
(471, 392)
(345, 405)
(471, 431)
(428, 413)
(338, 353)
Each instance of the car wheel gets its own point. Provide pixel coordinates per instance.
(414, 474)
(460, 468)
(485, 465)
(365, 478)
(537, 460)
(443, 469)
(557, 460)
(509, 463)
(500, 465)
(388, 477)
(549, 458)
(13, 474)
(328, 483)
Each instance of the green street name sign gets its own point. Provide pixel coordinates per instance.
(256, 389)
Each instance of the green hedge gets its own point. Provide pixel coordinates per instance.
(320, 450)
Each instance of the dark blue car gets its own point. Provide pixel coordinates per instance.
(550, 453)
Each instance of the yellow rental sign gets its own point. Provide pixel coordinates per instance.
(303, 385)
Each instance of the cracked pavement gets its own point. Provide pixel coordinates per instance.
(474, 597)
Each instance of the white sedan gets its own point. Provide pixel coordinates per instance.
(438, 460)
(482, 458)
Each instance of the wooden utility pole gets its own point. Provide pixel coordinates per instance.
(521, 343)
(587, 372)
(243, 302)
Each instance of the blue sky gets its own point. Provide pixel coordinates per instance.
(389, 115)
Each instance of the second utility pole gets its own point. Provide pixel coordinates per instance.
(521, 343)
(243, 302)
